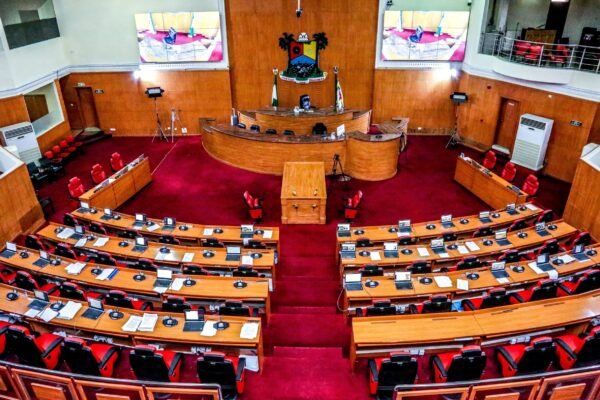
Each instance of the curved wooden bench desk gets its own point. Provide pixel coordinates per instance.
(367, 157)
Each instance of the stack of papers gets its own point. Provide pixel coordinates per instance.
(100, 242)
(423, 252)
(48, 315)
(148, 323)
(502, 280)
(566, 258)
(81, 242)
(462, 284)
(187, 257)
(403, 234)
(75, 268)
(69, 310)
(531, 207)
(177, 284)
(152, 227)
(472, 246)
(375, 256)
(443, 281)
(249, 330)
(160, 289)
(164, 256)
(106, 274)
(209, 329)
(247, 260)
(443, 255)
(462, 249)
(65, 233)
(32, 313)
(132, 324)
(267, 234)
(207, 232)
(251, 363)
(533, 266)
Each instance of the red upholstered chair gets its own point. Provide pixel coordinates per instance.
(509, 172)
(483, 231)
(521, 359)
(58, 152)
(96, 359)
(73, 142)
(70, 290)
(582, 238)
(66, 147)
(559, 55)
(371, 270)
(168, 239)
(25, 281)
(53, 158)
(385, 373)
(419, 267)
(573, 350)
(521, 48)
(245, 271)
(517, 225)
(545, 216)
(97, 227)
(65, 250)
(75, 187)
(467, 262)
(149, 364)
(35, 243)
(70, 220)
(531, 185)
(465, 365)
(374, 130)
(534, 54)
(544, 289)
(144, 264)
(42, 351)
(590, 280)
(97, 173)
(118, 298)
(3, 328)
(550, 247)
(228, 372)
(489, 161)
(436, 303)
(176, 304)
(237, 308)
(194, 269)
(510, 256)
(104, 258)
(116, 162)
(351, 205)
(493, 298)
(255, 206)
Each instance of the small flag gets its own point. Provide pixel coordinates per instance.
(274, 95)
(339, 98)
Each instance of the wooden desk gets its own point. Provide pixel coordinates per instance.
(492, 189)
(264, 264)
(170, 337)
(208, 289)
(121, 186)
(386, 288)
(563, 230)
(379, 234)
(303, 193)
(373, 336)
(195, 233)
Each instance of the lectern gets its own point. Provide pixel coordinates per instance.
(303, 193)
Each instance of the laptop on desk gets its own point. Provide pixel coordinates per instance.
(11, 250)
(543, 262)
(79, 232)
(403, 280)
(446, 221)
(348, 251)
(107, 215)
(140, 220)
(246, 231)
(343, 230)
(511, 209)
(501, 239)
(83, 207)
(499, 270)
(234, 253)
(404, 226)
(43, 260)
(169, 224)
(579, 253)
(390, 250)
(41, 300)
(164, 277)
(484, 217)
(353, 282)
(194, 322)
(540, 229)
(437, 246)
(95, 309)
(141, 244)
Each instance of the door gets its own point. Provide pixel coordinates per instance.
(508, 122)
(87, 107)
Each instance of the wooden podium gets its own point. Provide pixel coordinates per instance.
(303, 193)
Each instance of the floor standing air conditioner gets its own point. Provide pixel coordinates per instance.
(23, 137)
(531, 143)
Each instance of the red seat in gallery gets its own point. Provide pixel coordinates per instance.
(116, 162)
(255, 206)
(509, 172)
(75, 187)
(531, 185)
(489, 161)
(351, 205)
(98, 174)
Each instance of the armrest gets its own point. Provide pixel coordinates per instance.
(506, 355)
(52, 346)
(359, 312)
(175, 363)
(373, 369)
(439, 366)
(564, 347)
(254, 312)
(517, 297)
(107, 357)
(239, 374)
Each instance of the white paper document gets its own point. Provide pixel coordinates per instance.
(207, 232)
(65, 233)
(31, 313)
(403, 234)
(566, 258)
(105, 274)
(75, 268)
(249, 330)
(443, 255)
(69, 310)
(160, 289)
(177, 284)
(209, 329)
(251, 363)
(462, 249)
(472, 246)
(81, 242)
(462, 284)
(422, 252)
(247, 260)
(148, 323)
(531, 206)
(153, 227)
(375, 256)
(502, 280)
(533, 266)
(100, 242)
(187, 257)
(267, 234)
(552, 274)
(132, 324)
(443, 281)
(48, 315)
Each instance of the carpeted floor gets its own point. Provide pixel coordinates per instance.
(307, 339)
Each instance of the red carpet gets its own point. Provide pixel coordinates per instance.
(306, 342)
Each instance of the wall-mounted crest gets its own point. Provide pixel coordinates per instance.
(303, 57)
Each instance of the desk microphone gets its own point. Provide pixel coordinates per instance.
(96, 271)
(12, 296)
(221, 325)
(140, 277)
(473, 276)
(57, 306)
(240, 284)
(371, 283)
(425, 280)
(170, 322)
(189, 281)
(115, 314)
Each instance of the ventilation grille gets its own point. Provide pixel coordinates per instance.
(13, 133)
(533, 123)
(526, 154)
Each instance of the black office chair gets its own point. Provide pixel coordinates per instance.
(319, 129)
(149, 364)
(271, 131)
(211, 242)
(244, 271)
(255, 244)
(419, 267)
(449, 237)
(371, 270)
(168, 239)
(289, 132)
(255, 128)
(129, 234)
(381, 307)
(387, 372)
(227, 372)
(364, 242)
(235, 308)
(193, 269)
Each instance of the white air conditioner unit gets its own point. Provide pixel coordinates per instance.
(531, 143)
(23, 137)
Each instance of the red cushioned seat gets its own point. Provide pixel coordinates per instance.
(97, 173)
(496, 297)
(149, 364)
(386, 372)
(177, 304)
(521, 48)
(106, 259)
(521, 359)
(168, 239)
(245, 271)
(575, 351)
(97, 227)
(70, 220)
(489, 161)
(143, 264)
(483, 231)
(70, 290)
(254, 205)
(378, 307)
(65, 250)
(58, 152)
(35, 243)
(25, 281)
(116, 162)
(531, 185)
(550, 247)
(228, 372)
(589, 281)
(436, 303)
(510, 256)
(535, 53)
(118, 298)
(194, 269)
(73, 141)
(97, 359)
(509, 172)
(465, 365)
(582, 238)
(237, 309)
(75, 187)
(351, 205)
(545, 216)
(419, 267)
(517, 225)
(544, 289)
(53, 158)
(4, 325)
(66, 147)
(41, 352)
(468, 262)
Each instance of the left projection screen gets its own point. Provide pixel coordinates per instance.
(179, 37)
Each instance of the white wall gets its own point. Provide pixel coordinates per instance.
(582, 13)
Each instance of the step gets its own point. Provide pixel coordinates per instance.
(309, 266)
(279, 309)
(305, 292)
(307, 330)
(315, 353)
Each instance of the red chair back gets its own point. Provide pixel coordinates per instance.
(116, 162)
(521, 47)
(98, 174)
(509, 172)
(75, 187)
(489, 161)
(531, 185)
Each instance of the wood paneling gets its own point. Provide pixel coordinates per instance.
(125, 107)
(13, 110)
(421, 95)
(478, 119)
(60, 131)
(254, 28)
(583, 206)
(37, 106)
(19, 207)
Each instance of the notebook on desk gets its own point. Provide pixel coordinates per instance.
(579, 253)
(140, 220)
(390, 250)
(246, 231)
(543, 262)
(95, 309)
(41, 300)
(501, 239)
(234, 253)
(164, 277)
(540, 229)
(43, 260)
(353, 282)
(499, 270)
(446, 221)
(437, 246)
(403, 280)
(79, 232)
(141, 244)
(348, 251)
(484, 217)
(511, 209)
(107, 215)
(404, 226)
(343, 230)
(11, 250)
(194, 321)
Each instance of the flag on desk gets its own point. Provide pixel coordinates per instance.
(339, 97)
(274, 95)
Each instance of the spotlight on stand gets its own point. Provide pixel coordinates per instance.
(155, 93)
(457, 98)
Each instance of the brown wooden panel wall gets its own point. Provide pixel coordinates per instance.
(60, 131)
(583, 206)
(125, 107)
(478, 119)
(254, 28)
(422, 95)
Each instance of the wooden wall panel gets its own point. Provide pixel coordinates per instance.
(60, 131)
(421, 95)
(478, 119)
(13, 110)
(583, 206)
(255, 26)
(19, 207)
(125, 107)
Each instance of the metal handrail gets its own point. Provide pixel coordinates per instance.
(544, 55)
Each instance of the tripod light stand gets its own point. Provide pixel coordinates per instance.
(154, 93)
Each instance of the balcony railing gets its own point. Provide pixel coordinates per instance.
(545, 55)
